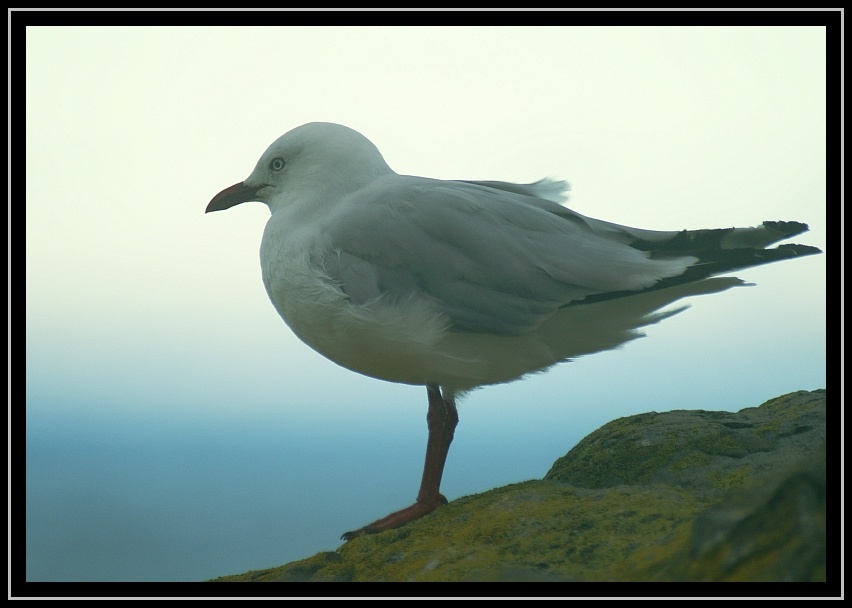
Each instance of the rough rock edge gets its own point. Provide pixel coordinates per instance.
(677, 518)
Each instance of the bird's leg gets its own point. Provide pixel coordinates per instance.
(441, 421)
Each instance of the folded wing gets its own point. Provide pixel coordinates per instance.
(501, 258)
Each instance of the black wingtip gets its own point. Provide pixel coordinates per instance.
(787, 229)
(793, 250)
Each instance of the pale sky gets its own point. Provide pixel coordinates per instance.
(138, 304)
(130, 132)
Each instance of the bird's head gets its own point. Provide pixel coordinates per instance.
(318, 159)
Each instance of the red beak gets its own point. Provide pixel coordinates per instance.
(234, 195)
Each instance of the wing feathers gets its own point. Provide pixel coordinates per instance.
(497, 257)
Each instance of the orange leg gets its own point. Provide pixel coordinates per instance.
(441, 421)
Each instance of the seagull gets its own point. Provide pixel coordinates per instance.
(455, 284)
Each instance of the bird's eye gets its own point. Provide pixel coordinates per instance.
(276, 164)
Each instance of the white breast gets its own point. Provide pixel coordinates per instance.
(409, 341)
(390, 340)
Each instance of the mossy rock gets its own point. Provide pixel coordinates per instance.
(322, 567)
(705, 452)
(682, 496)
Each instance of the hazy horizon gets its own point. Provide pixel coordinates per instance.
(177, 429)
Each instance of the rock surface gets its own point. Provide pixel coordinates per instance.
(677, 496)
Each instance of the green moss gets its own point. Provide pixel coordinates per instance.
(532, 531)
(691, 460)
(636, 507)
(770, 427)
(616, 454)
(722, 443)
(326, 566)
(730, 479)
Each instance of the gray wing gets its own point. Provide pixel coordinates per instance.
(491, 258)
(494, 258)
(547, 189)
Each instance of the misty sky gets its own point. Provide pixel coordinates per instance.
(145, 315)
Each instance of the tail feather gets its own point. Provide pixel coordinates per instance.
(692, 242)
(725, 260)
(718, 251)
